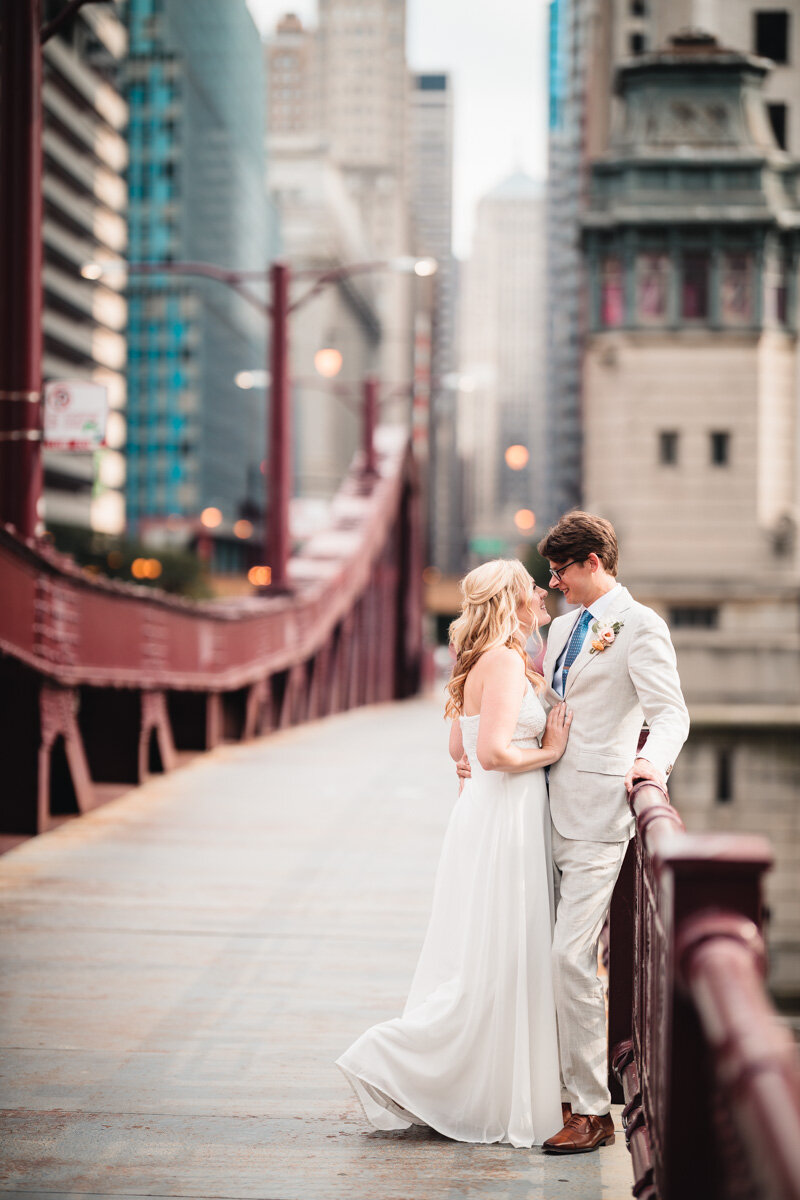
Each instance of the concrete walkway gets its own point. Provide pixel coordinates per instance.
(181, 967)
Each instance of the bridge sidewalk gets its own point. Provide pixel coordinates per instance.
(181, 967)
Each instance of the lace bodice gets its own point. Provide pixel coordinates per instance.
(530, 726)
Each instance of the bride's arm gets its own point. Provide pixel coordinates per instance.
(456, 741)
(503, 684)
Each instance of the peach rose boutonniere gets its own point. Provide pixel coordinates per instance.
(604, 636)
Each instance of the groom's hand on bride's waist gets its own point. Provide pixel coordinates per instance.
(642, 769)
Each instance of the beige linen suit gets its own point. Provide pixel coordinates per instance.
(609, 693)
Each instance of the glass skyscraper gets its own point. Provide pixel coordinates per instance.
(194, 82)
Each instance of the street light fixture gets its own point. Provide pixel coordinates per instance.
(278, 310)
(251, 379)
(517, 457)
(328, 362)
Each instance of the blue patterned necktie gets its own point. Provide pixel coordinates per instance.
(574, 647)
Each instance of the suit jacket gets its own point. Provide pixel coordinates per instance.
(609, 693)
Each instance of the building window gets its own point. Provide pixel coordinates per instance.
(777, 119)
(694, 292)
(772, 34)
(736, 289)
(668, 447)
(637, 43)
(638, 8)
(694, 616)
(612, 294)
(723, 775)
(720, 448)
(652, 288)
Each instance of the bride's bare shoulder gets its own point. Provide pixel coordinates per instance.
(500, 660)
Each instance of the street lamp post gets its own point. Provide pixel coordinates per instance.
(370, 418)
(279, 475)
(280, 441)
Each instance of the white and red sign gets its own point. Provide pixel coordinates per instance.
(75, 413)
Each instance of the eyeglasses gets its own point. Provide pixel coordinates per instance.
(557, 574)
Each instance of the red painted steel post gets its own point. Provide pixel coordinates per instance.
(279, 477)
(20, 265)
(370, 415)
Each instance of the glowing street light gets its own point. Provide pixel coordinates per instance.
(146, 568)
(260, 576)
(243, 528)
(407, 265)
(251, 379)
(211, 518)
(328, 362)
(524, 520)
(517, 457)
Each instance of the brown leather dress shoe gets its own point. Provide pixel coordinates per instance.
(582, 1133)
(566, 1111)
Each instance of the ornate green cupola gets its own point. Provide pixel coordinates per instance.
(694, 216)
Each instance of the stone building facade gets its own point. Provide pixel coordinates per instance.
(691, 242)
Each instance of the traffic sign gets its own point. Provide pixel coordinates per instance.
(75, 413)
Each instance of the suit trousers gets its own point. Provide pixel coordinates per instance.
(585, 874)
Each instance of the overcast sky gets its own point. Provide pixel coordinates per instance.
(496, 52)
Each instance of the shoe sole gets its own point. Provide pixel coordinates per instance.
(609, 1141)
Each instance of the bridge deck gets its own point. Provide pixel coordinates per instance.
(180, 968)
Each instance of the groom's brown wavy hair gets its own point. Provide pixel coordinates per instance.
(577, 535)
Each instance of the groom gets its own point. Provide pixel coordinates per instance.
(612, 661)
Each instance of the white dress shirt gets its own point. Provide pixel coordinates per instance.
(596, 608)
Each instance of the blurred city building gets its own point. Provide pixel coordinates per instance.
(630, 27)
(85, 203)
(571, 30)
(501, 404)
(194, 81)
(431, 193)
(321, 229)
(293, 97)
(691, 439)
(588, 39)
(363, 84)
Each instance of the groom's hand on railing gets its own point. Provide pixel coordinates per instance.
(642, 769)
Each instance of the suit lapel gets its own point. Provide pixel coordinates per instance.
(619, 604)
(554, 647)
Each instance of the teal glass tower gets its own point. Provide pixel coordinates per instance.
(194, 82)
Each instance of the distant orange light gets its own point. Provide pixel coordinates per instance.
(139, 568)
(211, 517)
(260, 576)
(328, 362)
(517, 457)
(243, 529)
(524, 520)
(154, 568)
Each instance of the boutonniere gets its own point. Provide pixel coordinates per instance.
(604, 636)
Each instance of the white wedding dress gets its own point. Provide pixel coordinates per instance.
(475, 1054)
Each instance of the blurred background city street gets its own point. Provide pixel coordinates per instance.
(305, 313)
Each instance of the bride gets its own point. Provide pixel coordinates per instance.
(475, 1054)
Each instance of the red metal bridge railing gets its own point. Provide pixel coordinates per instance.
(709, 1076)
(102, 682)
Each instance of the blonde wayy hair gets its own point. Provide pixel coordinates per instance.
(491, 594)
